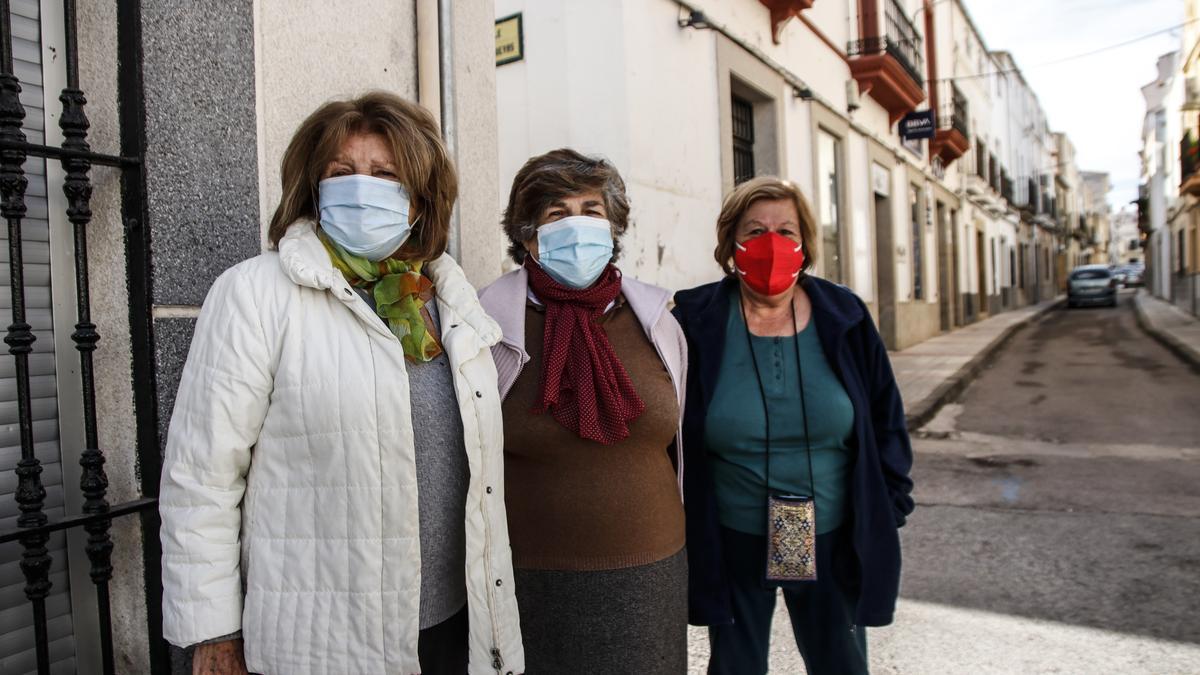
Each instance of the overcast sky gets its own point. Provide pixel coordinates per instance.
(1096, 100)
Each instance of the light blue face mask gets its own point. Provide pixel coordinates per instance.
(365, 215)
(575, 250)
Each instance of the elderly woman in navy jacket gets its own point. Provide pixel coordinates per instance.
(792, 398)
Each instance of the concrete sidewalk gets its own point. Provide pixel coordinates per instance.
(934, 371)
(1168, 324)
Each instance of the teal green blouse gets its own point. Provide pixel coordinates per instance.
(735, 431)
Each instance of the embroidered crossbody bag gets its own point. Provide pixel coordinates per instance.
(791, 519)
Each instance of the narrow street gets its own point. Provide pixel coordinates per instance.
(1058, 518)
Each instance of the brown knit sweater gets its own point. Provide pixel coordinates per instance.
(580, 505)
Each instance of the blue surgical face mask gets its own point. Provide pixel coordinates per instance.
(365, 215)
(575, 250)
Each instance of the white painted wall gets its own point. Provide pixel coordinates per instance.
(860, 197)
(308, 52)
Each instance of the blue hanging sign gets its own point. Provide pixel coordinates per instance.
(917, 125)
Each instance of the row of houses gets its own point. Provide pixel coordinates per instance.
(688, 98)
(1168, 214)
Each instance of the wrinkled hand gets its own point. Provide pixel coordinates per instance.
(219, 658)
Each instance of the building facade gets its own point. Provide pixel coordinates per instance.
(1176, 243)
(688, 98)
(1162, 163)
(189, 107)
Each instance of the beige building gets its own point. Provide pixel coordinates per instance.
(190, 107)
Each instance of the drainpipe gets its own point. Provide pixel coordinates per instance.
(428, 77)
(435, 81)
(449, 125)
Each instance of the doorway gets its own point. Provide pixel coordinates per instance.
(885, 251)
(945, 265)
(981, 266)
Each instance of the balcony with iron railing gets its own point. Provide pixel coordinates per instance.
(1189, 165)
(952, 139)
(887, 61)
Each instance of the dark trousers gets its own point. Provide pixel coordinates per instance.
(822, 611)
(442, 649)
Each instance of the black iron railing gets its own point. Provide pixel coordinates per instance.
(900, 39)
(34, 527)
(954, 110)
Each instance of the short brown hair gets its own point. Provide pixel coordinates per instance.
(560, 173)
(422, 165)
(740, 199)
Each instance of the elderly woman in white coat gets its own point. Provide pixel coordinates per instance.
(332, 493)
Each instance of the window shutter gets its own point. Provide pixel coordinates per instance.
(16, 613)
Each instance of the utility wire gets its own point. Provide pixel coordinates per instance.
(1056, 62)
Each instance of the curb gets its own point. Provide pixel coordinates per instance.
(1184, 351)
(925, 409)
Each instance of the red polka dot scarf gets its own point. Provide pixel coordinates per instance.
(583, 382)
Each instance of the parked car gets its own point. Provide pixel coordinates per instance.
(1133, 275)
(1092, 285)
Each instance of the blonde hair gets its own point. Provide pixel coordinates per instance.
(739, 200)
(422, 165)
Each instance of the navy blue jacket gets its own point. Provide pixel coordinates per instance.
(879, 485)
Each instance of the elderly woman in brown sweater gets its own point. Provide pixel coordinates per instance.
(591, 371)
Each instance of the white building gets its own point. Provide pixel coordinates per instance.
(816, 92)
(1160, 170)
(686, 97)
(1125, 246)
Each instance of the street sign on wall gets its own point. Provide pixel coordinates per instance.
(510, 39)
(917, 125)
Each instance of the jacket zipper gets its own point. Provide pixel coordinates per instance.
(497, 660)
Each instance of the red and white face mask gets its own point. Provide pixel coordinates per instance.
(769, 263)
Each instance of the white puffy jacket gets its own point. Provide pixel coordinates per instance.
(289, 489)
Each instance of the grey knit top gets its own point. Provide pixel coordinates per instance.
(442, 478)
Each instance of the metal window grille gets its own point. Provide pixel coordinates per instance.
(34, 526)
(900, 40)
(903, 41)
(743, 140)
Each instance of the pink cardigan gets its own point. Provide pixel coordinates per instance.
(505, 298)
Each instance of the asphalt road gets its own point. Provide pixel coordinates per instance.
(1058, 520)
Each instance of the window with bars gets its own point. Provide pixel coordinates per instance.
(743, 140)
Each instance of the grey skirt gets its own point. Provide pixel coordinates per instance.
(631, 620)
